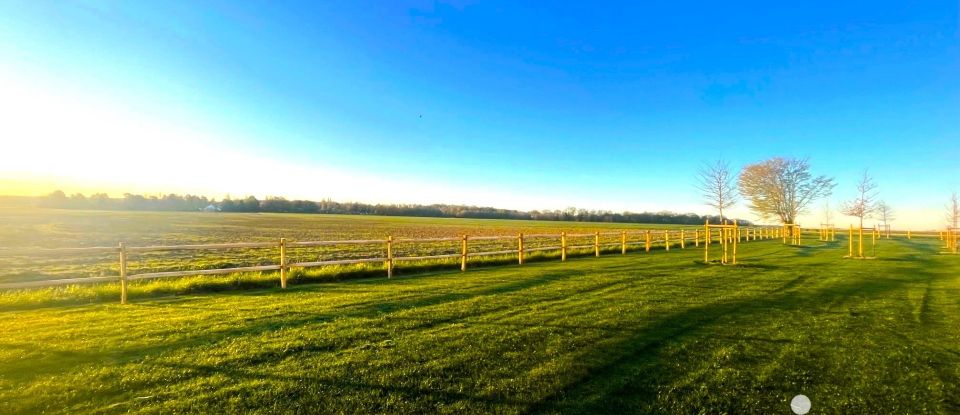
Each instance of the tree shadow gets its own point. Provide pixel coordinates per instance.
(628, 373)
(622, 380)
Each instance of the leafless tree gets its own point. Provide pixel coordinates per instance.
(953, 211)
(782, 187)
(715, 181)
(827, 213)
(865, 203)
(886, 215)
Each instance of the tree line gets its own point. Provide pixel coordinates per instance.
(250, 204)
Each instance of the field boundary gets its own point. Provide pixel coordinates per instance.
(665, 238)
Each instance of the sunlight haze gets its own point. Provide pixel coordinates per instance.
(409, 105)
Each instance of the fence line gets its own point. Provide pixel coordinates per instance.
(675, 237)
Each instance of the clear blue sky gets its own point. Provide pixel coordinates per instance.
(511, 104)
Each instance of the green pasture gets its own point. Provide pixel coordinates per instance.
(652, 332)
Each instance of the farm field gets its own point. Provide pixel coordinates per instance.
(635, 333)
(26, 228)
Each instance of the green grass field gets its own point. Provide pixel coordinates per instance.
(24, 228)
(639, 333)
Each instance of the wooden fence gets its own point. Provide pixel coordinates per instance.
(646, 238)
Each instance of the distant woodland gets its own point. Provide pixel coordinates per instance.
(174, 202)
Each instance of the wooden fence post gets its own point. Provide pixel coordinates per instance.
(706, 246)
(463, 253)
(735, 242)
(706, 232)
(123, 273)
(520, 248)
(724, 243)
(666, 239)
(850, 243)
(390, 256)
(563, 246)
(860, 237)
(908, 234)
(696, 237)
(623, 242)
(283, 262)
(683, 240)
(596, 243)
(648, 241)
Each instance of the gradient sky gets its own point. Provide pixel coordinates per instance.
(506, 104)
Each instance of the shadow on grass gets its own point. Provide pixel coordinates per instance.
(375, 307)
(623, 380)
(628, 374)
(315, 384)
(624, 376)
(70, 296)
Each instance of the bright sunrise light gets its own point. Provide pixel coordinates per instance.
(80, 141)
(57, 136)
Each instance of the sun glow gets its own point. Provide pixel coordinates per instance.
(61, 137)
(82, 140)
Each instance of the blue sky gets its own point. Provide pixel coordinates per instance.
(516, 105)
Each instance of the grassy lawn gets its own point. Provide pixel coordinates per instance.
(638, 333)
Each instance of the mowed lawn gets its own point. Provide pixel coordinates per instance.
(639, 333)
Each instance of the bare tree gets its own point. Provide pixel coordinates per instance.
(782, 187)
(886, 215)
(827, 213)
(865, 203)
(715, 181)
(953, 211)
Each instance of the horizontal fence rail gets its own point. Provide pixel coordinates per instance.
(458, 247)
(201, 247)
(329, 243)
